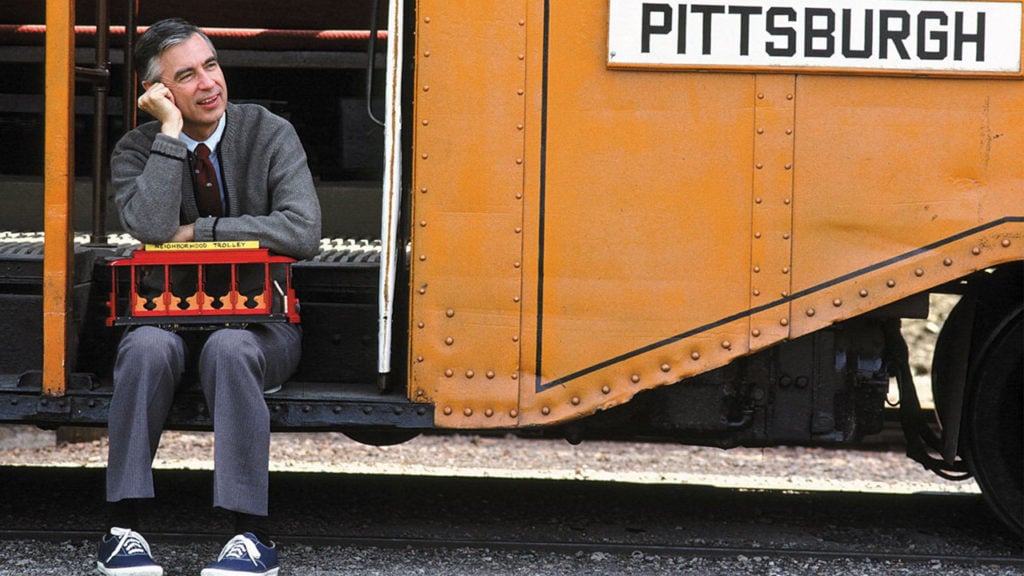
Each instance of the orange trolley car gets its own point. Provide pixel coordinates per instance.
(632, 219)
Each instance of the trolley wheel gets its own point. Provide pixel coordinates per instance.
(994, 430)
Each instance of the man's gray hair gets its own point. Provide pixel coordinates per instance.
(159, 37)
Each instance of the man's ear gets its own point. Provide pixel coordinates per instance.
(146, 84)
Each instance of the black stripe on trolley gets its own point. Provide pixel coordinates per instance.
(540, 386)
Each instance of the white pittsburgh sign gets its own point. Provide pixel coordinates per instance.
(889, 35)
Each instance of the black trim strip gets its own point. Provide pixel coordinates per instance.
(542, 194)
(540, 387)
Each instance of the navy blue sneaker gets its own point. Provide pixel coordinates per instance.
(125, 552)
(244, 555)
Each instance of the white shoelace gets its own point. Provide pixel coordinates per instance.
(240, 547)
(130, 541)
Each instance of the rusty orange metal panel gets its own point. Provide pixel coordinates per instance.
(59, 179)
(901, 185)
(468, 163)
(643, 194)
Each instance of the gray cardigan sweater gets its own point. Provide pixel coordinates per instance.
(267, 185)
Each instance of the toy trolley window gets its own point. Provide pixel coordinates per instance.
(201, 285)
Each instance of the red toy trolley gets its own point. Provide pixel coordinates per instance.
(201, 285)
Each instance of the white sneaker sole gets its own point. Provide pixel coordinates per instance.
(219, 572)
(133, 571)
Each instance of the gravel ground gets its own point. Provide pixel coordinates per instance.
(309, 561)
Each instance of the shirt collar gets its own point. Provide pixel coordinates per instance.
(210, 142)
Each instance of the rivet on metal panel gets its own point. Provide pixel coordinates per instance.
(758, 200)
(522, 22)
(515, 338)
(755, 332)
(947, 262)
(810, 312)
(787, 201)
(489, 412)
(785, 293)
(420, 325)
(695, 355)
(785, 236)
(760, 130)
(757, 292)
(635, 378)
(425, 156)
(757, 234)
(515, 376)
(863, 293)
(605, 389)
(515, 299)
(519, 160)
(423, 257)
(785, 269)
(575, 400)
(890, 283)
(490, 374)
(449, 312)
(470, 374)
(757, 269)
(789, 96)
(423, 290)
(516, 264)
(426, 19)
(426, 88)
(789, 166)
(545, 410)
(519, 126)
(421, 392)
(424, 189)
(449, 340)
(519, 195)
(447, 410)
(837, 302)
(789, 131)
(759, 165)
(423, 223)
(919, 272)
(522, 56)
(513, 413)
(665, 367)
(784, 322)
(467, 411)
(727, 344)
(1006, 243)
(449, 372)
(520, 92)
(975, 250)
(760, 96)
(419, 358)
(519, 230)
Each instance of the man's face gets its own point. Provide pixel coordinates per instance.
(191, 72)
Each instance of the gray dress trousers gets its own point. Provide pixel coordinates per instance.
(234, 367)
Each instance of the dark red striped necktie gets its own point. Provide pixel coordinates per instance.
(207, 188)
